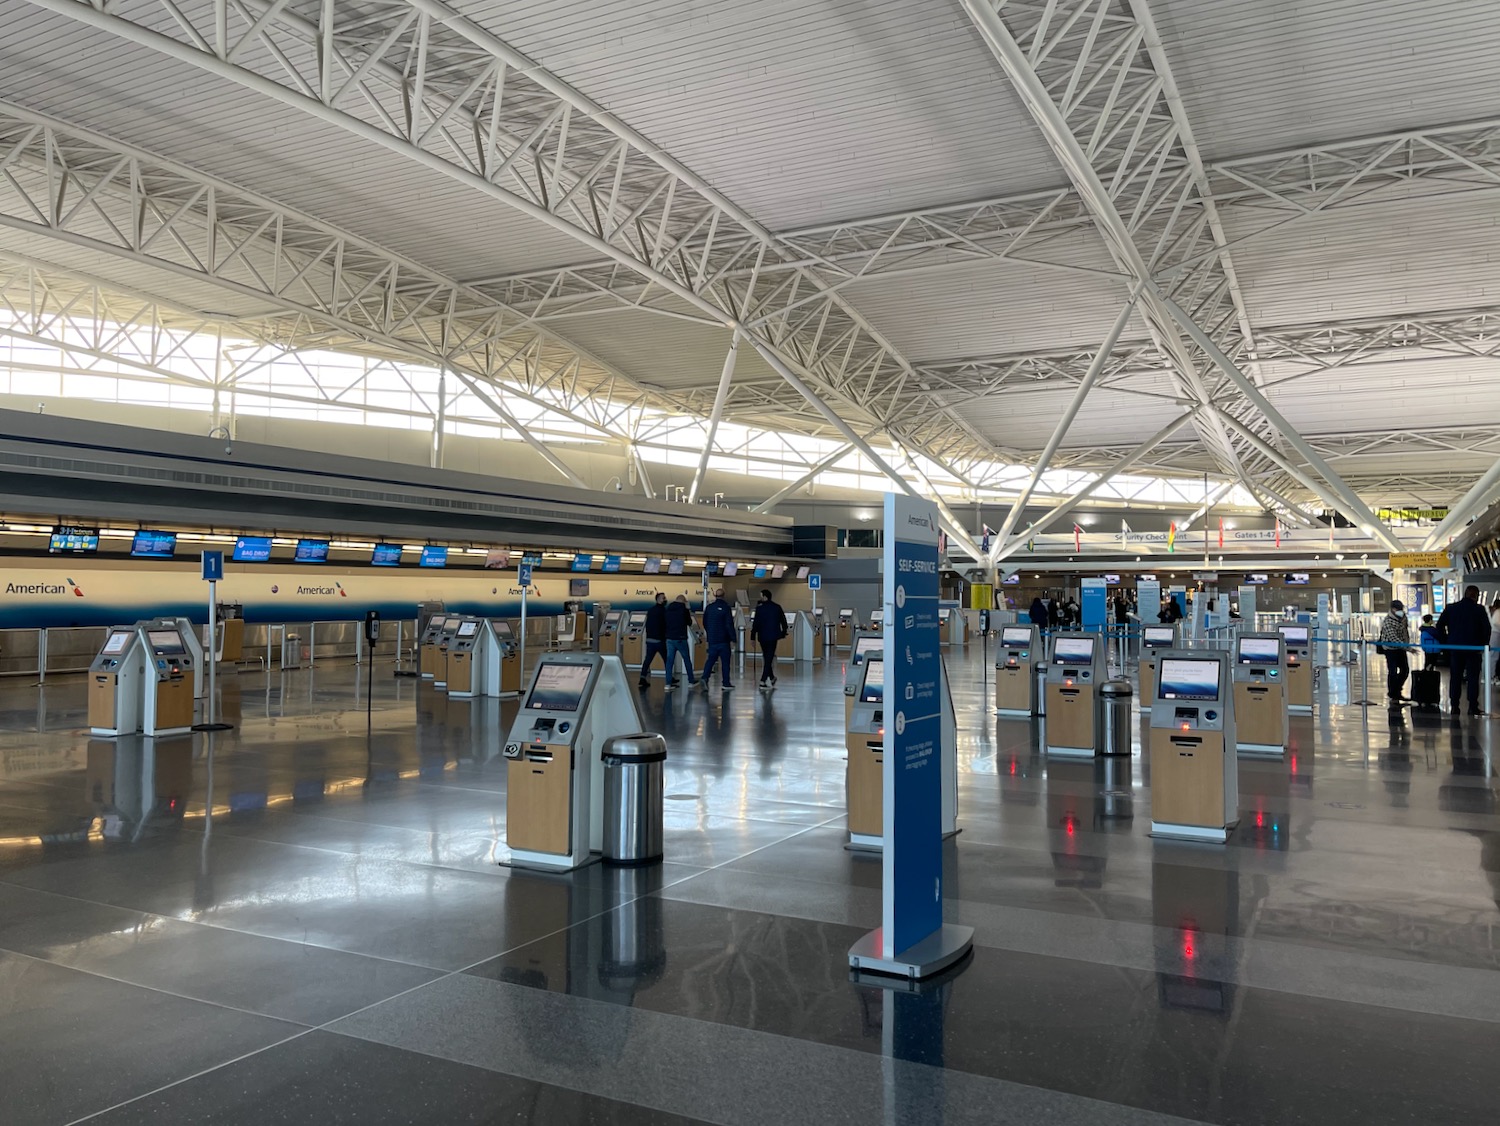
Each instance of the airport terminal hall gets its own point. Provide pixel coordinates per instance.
(705, 563)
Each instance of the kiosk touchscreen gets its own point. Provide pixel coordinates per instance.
(1299, 668)
(1075, 670)
(428, 647)
(466, 659)
(844, 627)
(865, 645)
(633, 640)
(1152, 639)
(115, 678)
(1194, 777)
(877, 620)
(1260, 715)
(1015, 670)
(554, 802)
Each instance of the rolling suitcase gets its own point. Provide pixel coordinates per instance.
(1426, 689)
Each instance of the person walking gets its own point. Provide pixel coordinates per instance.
(1495, 638)
(769, 627)
(1039, 613)
(1464, 623)
(1395, 640)
(679, 622)
(718, 631)
(656, 640)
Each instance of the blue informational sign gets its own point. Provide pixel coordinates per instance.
(913, 788)
(433, 555)
(611, 564)
(252, 549)
(213, 566)
(154, 545)
(1095, 606)
(583, 562)
(523, 574)
(814, 582)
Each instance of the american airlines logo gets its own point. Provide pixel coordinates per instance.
(44, 588)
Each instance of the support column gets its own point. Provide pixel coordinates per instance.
(713, 419)
(787, 490)
(524, 431)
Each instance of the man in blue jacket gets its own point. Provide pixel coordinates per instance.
(718, 631)
(1464, 623)
(656, 638)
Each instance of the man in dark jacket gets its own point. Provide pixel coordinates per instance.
(769, 627)
(1039, 613)
(718, 632)
(1464, 623)
(679, 622)
(656, 639)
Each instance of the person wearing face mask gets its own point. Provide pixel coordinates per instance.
(656, 638)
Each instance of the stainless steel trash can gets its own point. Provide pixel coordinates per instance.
(634, 770)
(1114, 701)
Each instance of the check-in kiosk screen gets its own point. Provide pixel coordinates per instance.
(558, 687)
(1013, 637)
(877, 617)
(165, 640)
(1155, 636)
(866, 645)
(1294, 635)
(943, 613)
(613, 617)
(1184, 679)
(502, 629)
(1259, 650)
(438, 622)
(874, 686)
(1073, 651)
(115, 644)
(468, 629)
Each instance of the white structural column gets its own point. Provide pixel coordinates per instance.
(1480, 496)
(522, 431)
(725, 376)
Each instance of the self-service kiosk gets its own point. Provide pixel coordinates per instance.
(572, 626)
(465, 669)
(194, 646)
(1153, 638)
(1299, 668)
(865, 644)
(865, 742)
(633, 640)
(167, 708)
(1075, 672)
(446, 637)
(953, 626)
(1015, 670)
(877, 620)
(1194, 774)
(807, 637)
(115, 678)
(427, 648)
(554, 801)
(502, 659)
(229, 646)
(843, 629)
(608, 637)
(1260, 698)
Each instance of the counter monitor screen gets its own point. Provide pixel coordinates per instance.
(1295, 578)
(777, 570)
(874, 686)
(387, 554)
(154, 545)
(1257, 579)
(68, 540)
(1073, 651)
(866, 645)
(803, 571)
(1181, 678)
(1157, 637)
(559, 687)
(1111, 580)
(116, 642)
(761, 570)
(311, 551)
(1259, 650)
(653, 567)
(731, 569)
(433, 556)
(1294, 635)
(1015, 637)
(468, 629)
(675, 567)
(165, 640)
(252, 549)
(582, 562)
(611, 564)
(1011, 580)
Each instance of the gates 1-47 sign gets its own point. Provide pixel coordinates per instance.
(1420, 561)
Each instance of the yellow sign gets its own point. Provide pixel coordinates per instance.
(981, 596)
(1420, 561)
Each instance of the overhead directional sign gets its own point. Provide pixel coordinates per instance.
(1420, 561)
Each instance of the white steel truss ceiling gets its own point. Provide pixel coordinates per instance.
(648, 182)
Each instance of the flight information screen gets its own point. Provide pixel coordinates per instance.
(154, 545)
(68, 540)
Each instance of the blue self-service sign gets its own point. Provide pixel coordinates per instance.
(913, 788)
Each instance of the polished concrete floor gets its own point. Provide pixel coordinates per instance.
(299, 921)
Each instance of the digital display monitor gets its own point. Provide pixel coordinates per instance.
(1294, 635)
(437, 622)
(873, 688)
(450, 625)
(558, 687)
(1073, 651)
(532, 557)
(165, 640)
(582, 562)
(611, 564)
(1182, 678)
(1257, 579)
(613, 617)
(153, 545)
(115, 643)
(803, 570)
(675, 567)
(777, 570)
(1259, 650)
(731, 570)
(311, 551)
(251, 549)
(761, 570)
(578, 588)
(653, 567)
(1011, 580)
(1295, 578)
(788, 618)
(876, 617)
(68, 540)
(433, 556)
(1156, 637)
(502, 630)
(867, 644)
(387, 554)
(943, 612)
(468, 629)
(1111, 580)
(497, 559)
(1014, 637)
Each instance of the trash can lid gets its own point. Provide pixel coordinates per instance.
(1116, 687)
(642, 745)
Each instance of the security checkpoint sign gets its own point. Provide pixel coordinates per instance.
(912, 887)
